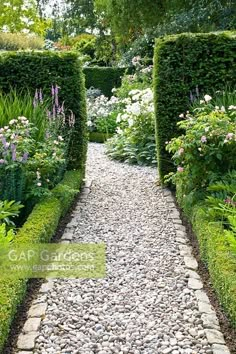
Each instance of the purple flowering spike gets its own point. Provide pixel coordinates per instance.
(54, 112)
(53, 91)
(25, 156)
(41, 96)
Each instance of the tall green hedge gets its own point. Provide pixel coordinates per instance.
(182, 63)
(31, 70)
(104, 78)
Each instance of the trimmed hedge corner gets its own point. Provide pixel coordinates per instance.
(97, 137)
(104, 78)
(217, 253)
(182, 64)
(39, 227)
(35, 70)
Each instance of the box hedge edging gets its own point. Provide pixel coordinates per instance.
(186, 65)
(39, 227)
(217, 253)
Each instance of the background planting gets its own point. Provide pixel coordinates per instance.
(188, 66)
(30, 71)
(104, 78)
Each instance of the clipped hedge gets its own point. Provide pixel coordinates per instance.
(181, 64)
(39, 227)
(104, 78)
(31, 70)
(219, 257)
(97, 137)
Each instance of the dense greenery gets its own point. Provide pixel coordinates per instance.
(104, 79)
(39, 227)
(185, 66)
(17, 15)
(30, 71)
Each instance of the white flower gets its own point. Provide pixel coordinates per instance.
(133, 92)
(217, 108)
(232, 107)
(222, 109)
(13, 121)
(89, 123)
(181, 115)
(118, 118)
(60, 138)
(113, 90)
(119, 131)
(202, 101)
(131, 122)
(207, 98)
(39, 184)
(55, 142)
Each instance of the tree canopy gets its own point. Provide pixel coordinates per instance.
(21, 15)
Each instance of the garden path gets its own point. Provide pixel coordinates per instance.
(151, 300)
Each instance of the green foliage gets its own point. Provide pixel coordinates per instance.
(29, 167)
(135, 139)
(6, 236)
(15, 16)
(17, 104)
(103, 78)
(16, 41)
(39, 227)
(131, 19)
(182, 64)
(97, 137)
(206, 150)
(28, 71)
(9, 210)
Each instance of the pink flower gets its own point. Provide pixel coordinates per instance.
(203, 139)
(229, 136)
(180, 169)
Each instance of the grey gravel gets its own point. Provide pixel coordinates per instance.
(144, 305)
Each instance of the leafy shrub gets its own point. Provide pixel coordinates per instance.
(102, 113)
(182, 64)
(30, 71)
(16, 41)
(207, 150)
(9, 210)
(28, 167)
(135, 138)
(6, 236)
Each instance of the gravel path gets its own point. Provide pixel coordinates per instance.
(146, 304)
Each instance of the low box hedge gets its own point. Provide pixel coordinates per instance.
(97, 137)
(39, 227)
(217, 253)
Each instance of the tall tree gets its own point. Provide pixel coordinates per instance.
(21, 15)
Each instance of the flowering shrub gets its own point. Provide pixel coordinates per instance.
(207, 150)
(135, 138)
(102, 112)
(28, 167)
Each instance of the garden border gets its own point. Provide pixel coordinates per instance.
(215, 253)
(39, 227)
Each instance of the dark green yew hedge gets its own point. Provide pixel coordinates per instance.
(104, 78)
(31, 70)
(182, 63)
(39, 227)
